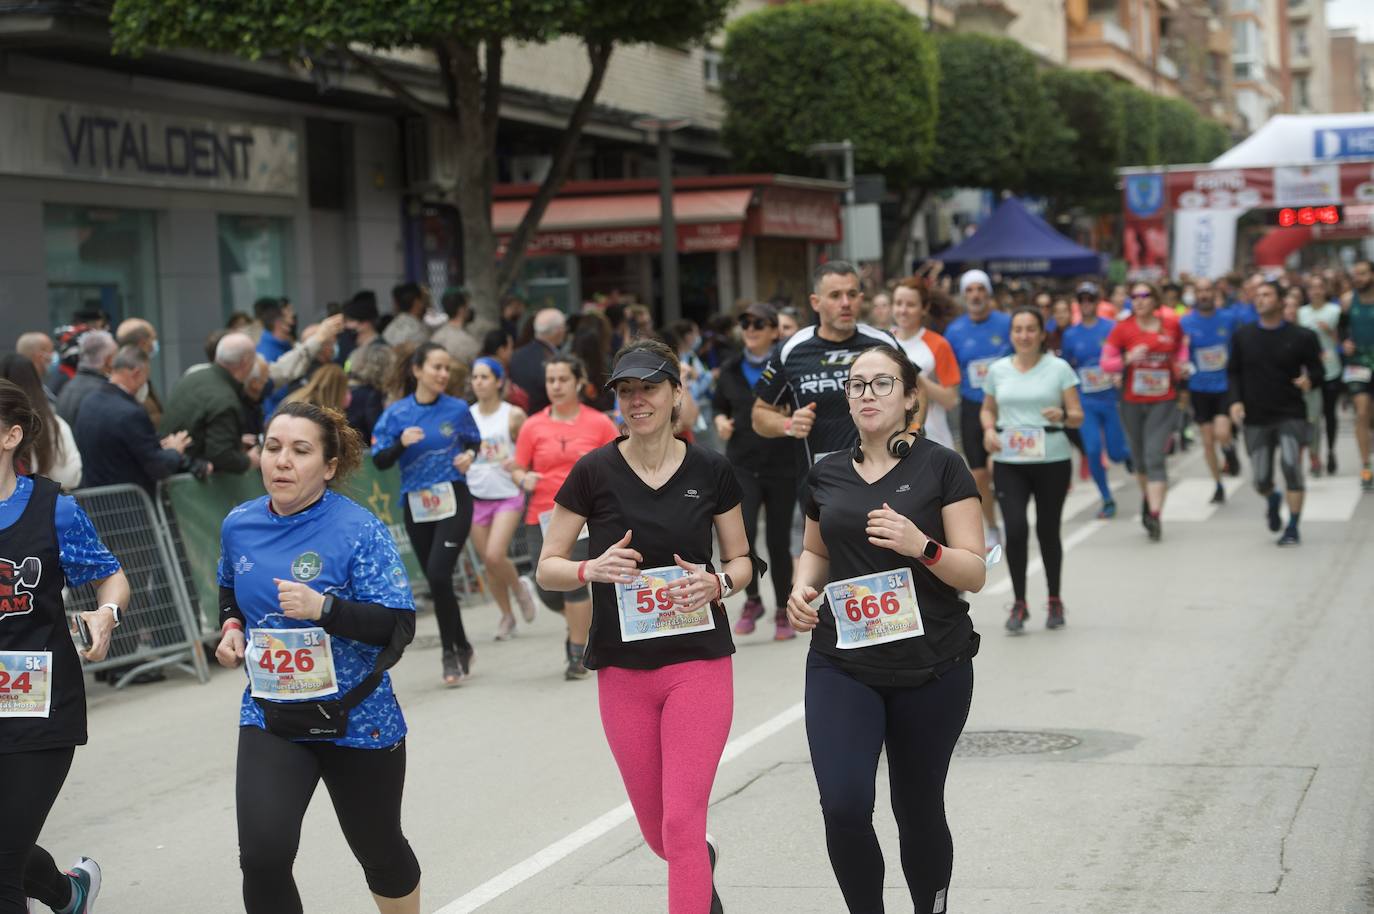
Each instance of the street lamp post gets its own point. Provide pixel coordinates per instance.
(672, 293)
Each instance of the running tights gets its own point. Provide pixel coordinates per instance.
(275, 781)
(1331, 398)
(1101, 421)
(29, 785)
(847, 725)
(777, 495)
(1048, 483)
(437, 546)
(667, 728)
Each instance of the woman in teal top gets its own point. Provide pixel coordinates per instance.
(1029, 398)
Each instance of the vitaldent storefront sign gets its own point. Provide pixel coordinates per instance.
(41, 136)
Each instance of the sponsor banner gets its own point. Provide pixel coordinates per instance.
(1205, 242)
(788, 212)
(1145, 247)
(1307, 185)
(692, 237)
(1232, 188)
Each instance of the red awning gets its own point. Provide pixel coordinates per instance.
(1273, 249)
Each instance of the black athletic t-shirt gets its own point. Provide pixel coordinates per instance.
(676, 518)
(808, 369)
(918, 487)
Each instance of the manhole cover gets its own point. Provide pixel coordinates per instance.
(988, 743)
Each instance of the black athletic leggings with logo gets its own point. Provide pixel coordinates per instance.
(275, 781)
(848, 724)
(29, 785)
(438, 545)
(1016, 483)
(777, 496)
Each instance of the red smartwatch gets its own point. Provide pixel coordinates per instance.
(931, 554)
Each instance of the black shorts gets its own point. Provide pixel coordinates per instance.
(1207, 406)
(971, 435)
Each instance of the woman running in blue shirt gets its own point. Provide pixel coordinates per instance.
(314, 597)
(435, 440)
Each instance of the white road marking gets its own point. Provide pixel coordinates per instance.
(541, 860)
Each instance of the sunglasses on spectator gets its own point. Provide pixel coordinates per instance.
(753, 323)
(1142, 295)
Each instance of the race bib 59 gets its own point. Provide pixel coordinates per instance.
(646, 609)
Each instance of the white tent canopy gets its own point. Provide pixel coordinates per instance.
(1299, 139)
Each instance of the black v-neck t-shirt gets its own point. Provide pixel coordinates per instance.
(918, 487)
(678, 517)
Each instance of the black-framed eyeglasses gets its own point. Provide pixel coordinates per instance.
(753, 323)
(882, 386)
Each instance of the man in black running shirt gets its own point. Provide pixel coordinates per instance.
(801, 392)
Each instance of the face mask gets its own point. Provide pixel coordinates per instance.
(157, 347)
(1189, 299)
(142, 394)
(55, 359)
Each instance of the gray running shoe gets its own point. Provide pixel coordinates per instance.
(85, 875)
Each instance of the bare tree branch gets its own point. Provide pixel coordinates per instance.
(599, 54)
(399, 90)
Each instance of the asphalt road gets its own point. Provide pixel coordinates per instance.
(1199, 738)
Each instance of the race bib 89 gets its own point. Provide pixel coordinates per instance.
(438, 502)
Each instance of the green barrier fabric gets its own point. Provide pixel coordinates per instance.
(200, 508)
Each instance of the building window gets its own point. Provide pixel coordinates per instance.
(1301, 94)
(254, 252)
(1300, 43)
(710, 68)
(100, 259)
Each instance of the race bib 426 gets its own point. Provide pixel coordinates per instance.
(285, 664)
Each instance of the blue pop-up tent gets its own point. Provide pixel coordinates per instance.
(1015, 241)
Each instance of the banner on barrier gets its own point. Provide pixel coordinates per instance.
(200, 509)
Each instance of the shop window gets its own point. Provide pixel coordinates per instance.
(100, 259)
(254, 254)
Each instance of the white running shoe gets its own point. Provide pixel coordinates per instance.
(505, 629)
(86, 872)
(524, 595)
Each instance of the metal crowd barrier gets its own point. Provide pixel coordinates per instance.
(157, 628)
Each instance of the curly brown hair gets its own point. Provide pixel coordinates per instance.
(339, 440)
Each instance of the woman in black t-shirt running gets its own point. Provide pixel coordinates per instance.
(659, 638)
(47, 543)
(892, 534)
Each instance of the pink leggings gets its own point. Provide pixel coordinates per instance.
(667, 729)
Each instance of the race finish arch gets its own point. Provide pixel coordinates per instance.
(1313, 173)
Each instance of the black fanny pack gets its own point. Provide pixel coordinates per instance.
(327, 719)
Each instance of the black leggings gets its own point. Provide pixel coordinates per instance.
(1331, 399)
(29, 785)
(275, 781)
(778, 497)
(1015, 484)
(847, 725)
(437, 545)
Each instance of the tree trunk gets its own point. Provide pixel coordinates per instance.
(908, 207)
(475, 149)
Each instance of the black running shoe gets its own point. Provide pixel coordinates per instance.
(713, 851)
(1271, 513)
(1232, 461)
(1145, 513)
(1153, 527)
(465, 658)
(1290, 538)
(1016, 621)
(1330, 464)
(1219, 496)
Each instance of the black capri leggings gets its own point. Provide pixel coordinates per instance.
(778, 497)
(29, 785)
(847, 725)
(438, 545)
(275, 781)
(1015, 484)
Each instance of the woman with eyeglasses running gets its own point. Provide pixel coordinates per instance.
(764, 467)
(1030, 399)
(893, 533)
(659, 637)
(1149, 349)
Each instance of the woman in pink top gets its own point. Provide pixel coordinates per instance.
(1151, 353)
(550, 442)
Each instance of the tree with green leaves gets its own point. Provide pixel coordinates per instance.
(1085, 174)
(466, 39)
(1142, 145)
(860, 70)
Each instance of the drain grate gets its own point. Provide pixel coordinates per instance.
(988, 743)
